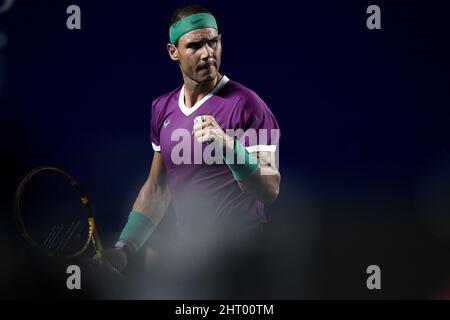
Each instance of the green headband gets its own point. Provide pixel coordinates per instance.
(193, 22)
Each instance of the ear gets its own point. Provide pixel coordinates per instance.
(173, 52)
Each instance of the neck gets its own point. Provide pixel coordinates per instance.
(196, 91)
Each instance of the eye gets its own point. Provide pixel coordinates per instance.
(212, 43)
(195, 46)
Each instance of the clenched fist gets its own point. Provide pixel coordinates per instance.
(207, 130)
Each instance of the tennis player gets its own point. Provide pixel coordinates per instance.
(219, 204)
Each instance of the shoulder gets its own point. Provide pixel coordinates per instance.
(248, 99)
(165, 99)
(162, 105)
(245, 94)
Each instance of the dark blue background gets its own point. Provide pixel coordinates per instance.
(365, 150)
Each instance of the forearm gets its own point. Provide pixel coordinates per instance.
(153, 200)
(255, 173)
(148, 210)
(263, 184)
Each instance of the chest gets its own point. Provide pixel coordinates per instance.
(179, 146)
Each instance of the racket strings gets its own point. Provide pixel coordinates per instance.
(68, 236)
(53, 236)
(49, 238)
(60, 236)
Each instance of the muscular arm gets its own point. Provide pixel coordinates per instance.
(264, 183)
(154, 196)
(152, 201)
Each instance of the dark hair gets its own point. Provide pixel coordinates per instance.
(184, 12)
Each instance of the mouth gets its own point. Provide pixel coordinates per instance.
(206, 66)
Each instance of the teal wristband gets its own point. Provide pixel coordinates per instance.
(241, 163)
(137, 230)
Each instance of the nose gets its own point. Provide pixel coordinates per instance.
(207, 52)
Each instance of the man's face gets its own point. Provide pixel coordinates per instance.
(199, 54)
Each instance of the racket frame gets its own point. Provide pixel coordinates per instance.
(93, 236)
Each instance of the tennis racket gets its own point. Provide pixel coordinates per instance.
(54, 216)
